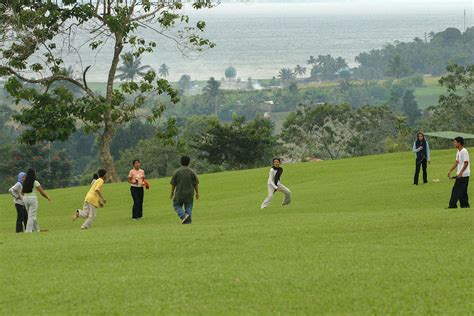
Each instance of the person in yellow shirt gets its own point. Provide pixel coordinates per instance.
(94, 199)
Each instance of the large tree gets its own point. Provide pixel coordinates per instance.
(37, 36)
(455, 110)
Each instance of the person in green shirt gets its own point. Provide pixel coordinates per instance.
(184, 184)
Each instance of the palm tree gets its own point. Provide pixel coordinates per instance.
(212, 92)
(131, 68)
(286, 75)
(299, 70)
(164, 70)
(397, 67)
(340, 63)
(311, 60)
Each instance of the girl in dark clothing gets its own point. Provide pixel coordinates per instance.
(421, 148)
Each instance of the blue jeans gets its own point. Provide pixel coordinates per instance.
(188, 209)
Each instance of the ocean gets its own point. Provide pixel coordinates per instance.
(259, 39)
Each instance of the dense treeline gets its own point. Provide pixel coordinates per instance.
(228, 129)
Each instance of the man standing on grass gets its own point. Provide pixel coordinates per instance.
(183, 185)
(462, 164)
(94, 199)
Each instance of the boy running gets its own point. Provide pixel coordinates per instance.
(94, 199)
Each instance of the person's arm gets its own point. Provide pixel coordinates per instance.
(130, 177)
(173, 189)
(14, 191)
(428, 152)
(270, 180)
(452, 168)
(100, 196)
(43, 192)
(196, 189)
(415, 150)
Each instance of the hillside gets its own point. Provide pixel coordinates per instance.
(359, 238)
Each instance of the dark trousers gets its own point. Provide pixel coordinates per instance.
(21, 218)
(459, 192)
(137, 195)
(420, 164)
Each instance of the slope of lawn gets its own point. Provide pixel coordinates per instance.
(358, 238)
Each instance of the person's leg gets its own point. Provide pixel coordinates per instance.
(425, 172)
(269, 197)
(32, 206)
(25, 216)
(453, 202)
(189, 210)
(134, 192)
(178, 207)
(286, 192)
(92, 211)
(417, 172)
(19, 218)
(464, 198)
(29, 223)
(141, 194)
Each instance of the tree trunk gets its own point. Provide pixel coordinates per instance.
(105, 154)
(109, 125)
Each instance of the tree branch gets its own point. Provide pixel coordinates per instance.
(49, 80)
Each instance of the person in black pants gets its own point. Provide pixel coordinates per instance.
(422, 150)
(462, 164)
(136, 178)
(21, 213)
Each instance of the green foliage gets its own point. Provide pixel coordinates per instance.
(410, 107)
(429, 56)
(455, 110)
(131, 68)
(184, 84)
(327, 67)
(54, 112)
(337, 131)
(237, 144)
(54, 168)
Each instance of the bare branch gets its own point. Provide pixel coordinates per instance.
(49, 80)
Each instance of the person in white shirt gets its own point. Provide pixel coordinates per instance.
(275, 185)
(22, 214)
(463, 171)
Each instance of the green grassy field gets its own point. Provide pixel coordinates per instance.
(358, 238)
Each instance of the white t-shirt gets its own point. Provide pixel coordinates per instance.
(462, 156)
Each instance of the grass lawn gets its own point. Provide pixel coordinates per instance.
(428, 95)
(358, 238)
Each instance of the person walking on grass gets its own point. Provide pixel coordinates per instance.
(93, 200)
(274, 184)
(463, 171)
(30, 197)
(421, 148)
(136, 178)
(184, 184)
(21, 213)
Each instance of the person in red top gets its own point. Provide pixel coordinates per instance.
(136, 178)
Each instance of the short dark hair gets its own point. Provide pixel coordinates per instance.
(460, 140)
(102, 173)
(185, 160)
(276, 158)
(95, 176)
(134, 161)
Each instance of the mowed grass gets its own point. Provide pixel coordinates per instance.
(358, 238)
